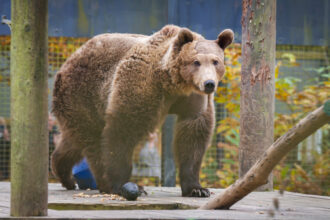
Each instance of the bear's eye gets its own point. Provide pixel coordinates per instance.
(197, 63)
(215, 62)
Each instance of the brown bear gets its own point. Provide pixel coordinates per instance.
(117, 88)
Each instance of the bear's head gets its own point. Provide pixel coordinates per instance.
(199, 63)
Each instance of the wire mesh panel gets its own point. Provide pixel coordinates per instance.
(59, 48)
(147, 161)
(4, 107)
(302, 84)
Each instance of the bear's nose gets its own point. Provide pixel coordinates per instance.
(209, 86)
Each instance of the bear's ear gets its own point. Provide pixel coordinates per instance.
(225, 38)
(184, 36)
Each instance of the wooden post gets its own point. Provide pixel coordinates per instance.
(29, 140)
(168, 164)
(258, 83)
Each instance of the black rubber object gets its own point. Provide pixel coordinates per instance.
(130, 191)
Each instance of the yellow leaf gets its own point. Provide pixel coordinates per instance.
(291, 57)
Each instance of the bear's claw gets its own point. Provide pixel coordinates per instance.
(142, 191)
(201, 192)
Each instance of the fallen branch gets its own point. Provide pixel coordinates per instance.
(259, 172)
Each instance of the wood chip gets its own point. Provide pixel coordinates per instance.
(103, 196)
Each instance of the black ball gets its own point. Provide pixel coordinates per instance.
(130, 191)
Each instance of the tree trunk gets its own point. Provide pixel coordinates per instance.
(29, 141)
(258, 82)
(257, 175)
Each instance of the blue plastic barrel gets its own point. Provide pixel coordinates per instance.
(83, 175)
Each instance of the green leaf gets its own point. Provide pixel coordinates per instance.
(229, 161)
(284, 172)
(233, 141)
(326, 75)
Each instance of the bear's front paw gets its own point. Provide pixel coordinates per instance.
(199, 192)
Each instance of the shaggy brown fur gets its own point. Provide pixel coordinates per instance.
(117, 88)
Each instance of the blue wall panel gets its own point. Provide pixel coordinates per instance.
(208, 18)
(299, 22)
(303, 22)
(89, 17)
(4, 10)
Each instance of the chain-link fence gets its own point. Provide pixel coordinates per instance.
(302, 84)
(4, 107)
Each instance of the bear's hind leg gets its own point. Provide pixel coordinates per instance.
(64, 157)
(111, 165)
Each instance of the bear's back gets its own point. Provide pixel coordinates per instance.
(85, 78)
